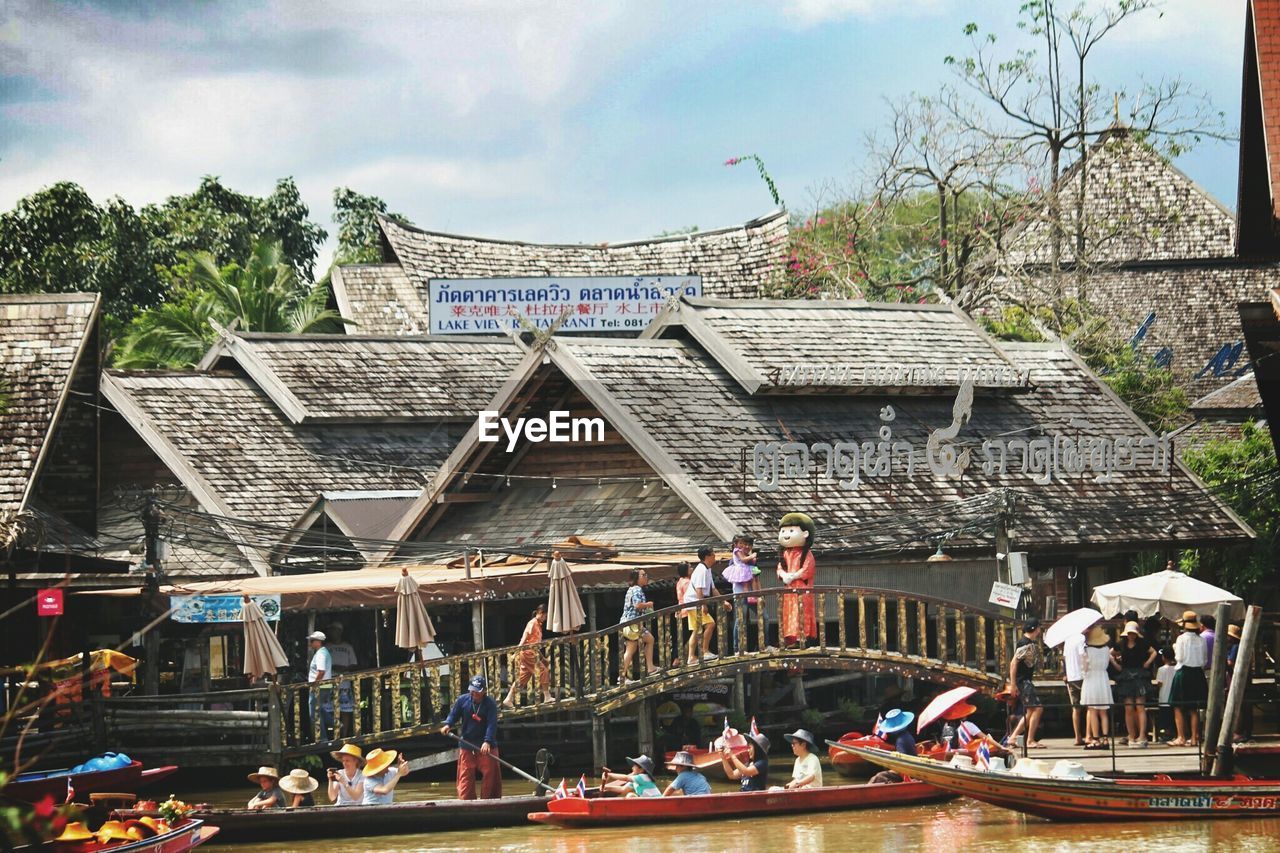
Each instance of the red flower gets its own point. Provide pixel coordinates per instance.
(45, 807)
(732, 161)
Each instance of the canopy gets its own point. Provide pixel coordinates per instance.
(564, 607)
(942, 703)
(413, 626)
(1074, 622)
(1168, 593)
(262, 652)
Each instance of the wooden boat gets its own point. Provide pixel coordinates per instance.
(188, 835)
(850, 764)
(31, 787)
(708, 761)
(244, 825)
(576, 811)
(1165, 797)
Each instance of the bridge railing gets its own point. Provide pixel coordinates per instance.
(858, 627)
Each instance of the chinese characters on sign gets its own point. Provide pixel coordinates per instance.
(470, 306)
(219, 608)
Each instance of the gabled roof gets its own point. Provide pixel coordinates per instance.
(843, 346)
(379, 299)
(43, 337)
(348, 378)
(704, 451)
(1239, 397)
(357, 515)
(1258, 199)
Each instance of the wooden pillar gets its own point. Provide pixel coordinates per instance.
(1240, 678)
(797, 691)
(206, 678)
(647, 744)
(740, 693)
(591, 611)
(599, 740)
(1217, 691)
(477, 624)
(275, 724)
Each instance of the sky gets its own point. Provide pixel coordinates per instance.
(543, 121)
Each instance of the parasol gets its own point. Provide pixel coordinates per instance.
(1075, 622)
(413, 626)
(262, 652)
(1168, 593)
(564, 607)
(942, 703)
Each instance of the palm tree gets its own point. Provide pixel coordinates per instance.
(263, 295)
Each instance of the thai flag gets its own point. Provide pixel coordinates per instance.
(875, 730)
(726, 726)
(984, 756)
(755, 730)
(965, 734)
(561, 792)
(581, 790)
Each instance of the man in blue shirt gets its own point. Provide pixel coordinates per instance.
(689, 781)
(477, 715)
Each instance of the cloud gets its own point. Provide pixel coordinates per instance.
(1188, 26)
(808, 13)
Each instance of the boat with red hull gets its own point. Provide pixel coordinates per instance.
(1163, 797)
(32, 787)
(185, 836)
(603, 811)
(850, 764)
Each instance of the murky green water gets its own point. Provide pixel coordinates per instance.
(959, 825)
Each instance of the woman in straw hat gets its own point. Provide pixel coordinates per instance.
(1095, 689)
(270, 796)
(381, 778)
(299, 786)
(1135, 656)
(1190, 689)
(346, 785)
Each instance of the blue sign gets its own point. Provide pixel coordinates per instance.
(219, 608)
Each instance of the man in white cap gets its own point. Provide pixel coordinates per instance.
(320, 668)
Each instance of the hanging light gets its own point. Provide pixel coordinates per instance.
(939, 556)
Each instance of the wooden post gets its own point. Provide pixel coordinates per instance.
(1217, 691)
(591, 611)
(644, 727)
(599, 740)
(477, 624)
(275, 732)
(739, 693)
(1240, 678)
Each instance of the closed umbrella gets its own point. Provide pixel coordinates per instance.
(262, 652)
(942, 703)
(413, 626)
(1168, 593)
(564, 607)
(1074, 622)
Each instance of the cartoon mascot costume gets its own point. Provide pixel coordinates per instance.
(796, 569)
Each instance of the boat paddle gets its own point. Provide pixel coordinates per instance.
(504, 763)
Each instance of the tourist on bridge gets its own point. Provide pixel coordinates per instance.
(702, 625)
(1073, 674)
(320, 668)
(689, 780)
(807, 771)
(1190, 688)
(1135, 656)
(477, 714)
(270, 796)
(1022, 668)
(635, 605)
(530, 661)
(796, 570)
(346, 785)
(1095, 693)
(381, 777)
(753, 774)
(895, 729)
(638, 783)
(300, 787)
(742, 573)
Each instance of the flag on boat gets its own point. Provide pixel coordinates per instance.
(581, 790)
(726, 726)
(755, 730)
(875, 730)
(984, 756)
(561, 792)
(968, 731)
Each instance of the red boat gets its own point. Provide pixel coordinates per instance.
(31, 787)
(1155, 797)
(851, 764)
(708, 761)
(185, 836)
(601, 811)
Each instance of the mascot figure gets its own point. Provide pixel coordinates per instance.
(796, 569)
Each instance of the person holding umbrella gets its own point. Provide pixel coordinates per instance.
(477, 714)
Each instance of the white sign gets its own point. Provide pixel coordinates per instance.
(471, 306)
(1005, 594)
(220, 608)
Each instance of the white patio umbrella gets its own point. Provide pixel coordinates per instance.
(1074, 622)
(564, 607)
(413, 626)
(1168, 593)
(262, 651)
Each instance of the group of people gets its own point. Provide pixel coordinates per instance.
(362, 780)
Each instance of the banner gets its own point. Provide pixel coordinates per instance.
(219, 608)
(478, 306)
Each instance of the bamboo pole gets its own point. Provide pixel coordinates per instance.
(1217, 690)
(1239, 683)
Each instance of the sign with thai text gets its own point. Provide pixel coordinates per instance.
(205, 609)
(899, 375)
(49, 602)
(1005, 594)
(479, 306)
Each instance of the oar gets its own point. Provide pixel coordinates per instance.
(506, 764)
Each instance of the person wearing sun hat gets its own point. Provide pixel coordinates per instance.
(270, 797)
(1136, 656)
(381, 778)
(689, 780)
(807, 771)
(1095, 690)
(346, 784)
(1190, 689)
(895, 729)
(638, 783)
(299, 786)
(477, 714)
(752, 775)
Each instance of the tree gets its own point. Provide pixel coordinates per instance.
(359, 237)
(263, 295)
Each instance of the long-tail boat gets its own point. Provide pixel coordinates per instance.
(179, 838)
(600, 811)
(850, 764)
(31, 787)
(1161, 796)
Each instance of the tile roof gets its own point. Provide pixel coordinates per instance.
(1239, 396)
(379, 299)
(765, 342)
(367, 378)
(42, 338)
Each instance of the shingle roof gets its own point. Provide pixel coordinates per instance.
(733, 262)
(773, 345)
(1239, 396)
(368, 378)
(42, 337)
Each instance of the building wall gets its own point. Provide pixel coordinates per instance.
(68, 481)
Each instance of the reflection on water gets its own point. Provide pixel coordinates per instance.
(954, 826)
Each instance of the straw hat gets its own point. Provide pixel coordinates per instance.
(644, 762)
(113, 830)
(1097, 635)
(958, 711)
(75, 831)
(805, 737)
(896, 720)
(141, 829)
(1190, 619)
(682, 759)
(1131, 628)
(762, 743)
(378, 760)
(1233, 631)
(264, 771)
(298, 781)
(349, 749)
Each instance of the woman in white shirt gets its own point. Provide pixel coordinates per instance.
(1190, 689)
(346, 785)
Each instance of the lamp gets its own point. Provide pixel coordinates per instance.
(939, 556)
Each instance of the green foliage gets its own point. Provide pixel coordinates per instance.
(1245, 471)
(738, 719)
(811, 719)
(764, 175)
(851, 709)
(264, 295)
(1013, 324)
(359, 237)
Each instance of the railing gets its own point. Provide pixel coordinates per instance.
(857, 628)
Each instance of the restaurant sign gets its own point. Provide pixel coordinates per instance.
(219, 608)
(471, 306)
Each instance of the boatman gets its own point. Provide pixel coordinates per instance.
(477, 715)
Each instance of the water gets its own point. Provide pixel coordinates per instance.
(960, 824)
